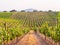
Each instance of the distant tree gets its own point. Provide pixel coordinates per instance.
(13, 10)
(49, 10)
(4, 11)
(22, 10)
(40, 11)
(35, 11)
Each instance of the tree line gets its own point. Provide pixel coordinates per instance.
(13, 10)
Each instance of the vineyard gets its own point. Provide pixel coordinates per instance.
(16, 24)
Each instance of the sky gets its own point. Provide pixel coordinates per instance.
(26, 4)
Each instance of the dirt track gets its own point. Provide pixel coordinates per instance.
(32, 39)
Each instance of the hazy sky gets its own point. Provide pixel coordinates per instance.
(25, 4)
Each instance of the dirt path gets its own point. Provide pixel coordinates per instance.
(31, 39)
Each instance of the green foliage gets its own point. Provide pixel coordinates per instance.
(5, 14)
(12, 31)
(0, 37)
(21, 23)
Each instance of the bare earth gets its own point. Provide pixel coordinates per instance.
(31, 39)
